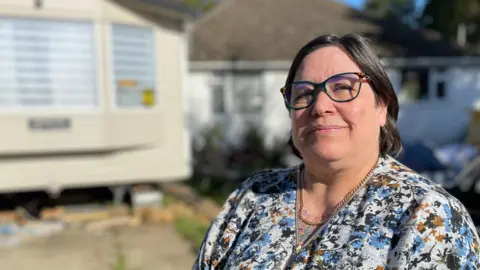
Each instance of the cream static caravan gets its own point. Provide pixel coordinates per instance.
(91, 93)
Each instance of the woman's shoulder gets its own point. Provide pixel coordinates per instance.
(408, 185)
(271, 180)
(429, 224)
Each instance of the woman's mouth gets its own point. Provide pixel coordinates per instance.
(326, 129)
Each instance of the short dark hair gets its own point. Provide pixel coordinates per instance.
(363, 54)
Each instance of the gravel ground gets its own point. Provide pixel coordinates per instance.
(145, 247)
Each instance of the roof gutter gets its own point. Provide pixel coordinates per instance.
(453, 61)
(160, 8)
(239, 65)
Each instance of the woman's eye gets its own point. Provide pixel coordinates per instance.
(342, 87)
(303, 94)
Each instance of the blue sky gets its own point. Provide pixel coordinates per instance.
(353, 3)
(359, 3)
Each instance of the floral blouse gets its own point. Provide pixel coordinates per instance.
(398, 220)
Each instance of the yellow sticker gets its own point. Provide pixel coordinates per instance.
(148, 97)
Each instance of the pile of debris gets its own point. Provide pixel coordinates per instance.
(17, 226)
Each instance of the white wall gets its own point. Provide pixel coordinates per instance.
(199, 110)
(441, 121)
(438, 121)
(277, 120)
(274, 119)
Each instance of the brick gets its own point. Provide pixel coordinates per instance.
(8, 216)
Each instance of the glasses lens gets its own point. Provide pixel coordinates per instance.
(300, 95)
(343, 87)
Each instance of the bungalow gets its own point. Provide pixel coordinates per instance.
(242, 49)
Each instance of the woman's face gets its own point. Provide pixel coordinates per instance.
(332, 130)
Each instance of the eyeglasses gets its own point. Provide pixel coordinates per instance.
(341, 87)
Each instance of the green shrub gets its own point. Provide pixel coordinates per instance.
(192, 230)
(220, 167)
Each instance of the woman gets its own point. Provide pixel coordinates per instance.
(350, 204)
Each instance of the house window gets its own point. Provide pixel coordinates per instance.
(47, 64)
(133, 66)
(247, 92)
(440, 93)
(219, 95)
(218, 98)
(419, 84)
(238, 93)
(440, 83)
(415, 84)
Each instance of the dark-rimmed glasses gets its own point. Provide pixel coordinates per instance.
(343, 87)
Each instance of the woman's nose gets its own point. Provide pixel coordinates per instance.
(322, 104)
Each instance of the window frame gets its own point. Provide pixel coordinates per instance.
(155, 77)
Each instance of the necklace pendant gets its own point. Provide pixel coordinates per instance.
(298, 248)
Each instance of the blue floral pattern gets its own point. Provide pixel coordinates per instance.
(398, 220)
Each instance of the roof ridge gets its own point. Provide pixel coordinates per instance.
(216, 8)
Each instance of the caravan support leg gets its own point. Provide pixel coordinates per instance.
(119, 193)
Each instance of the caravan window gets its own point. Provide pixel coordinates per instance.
(47, 64)
(133, 66)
